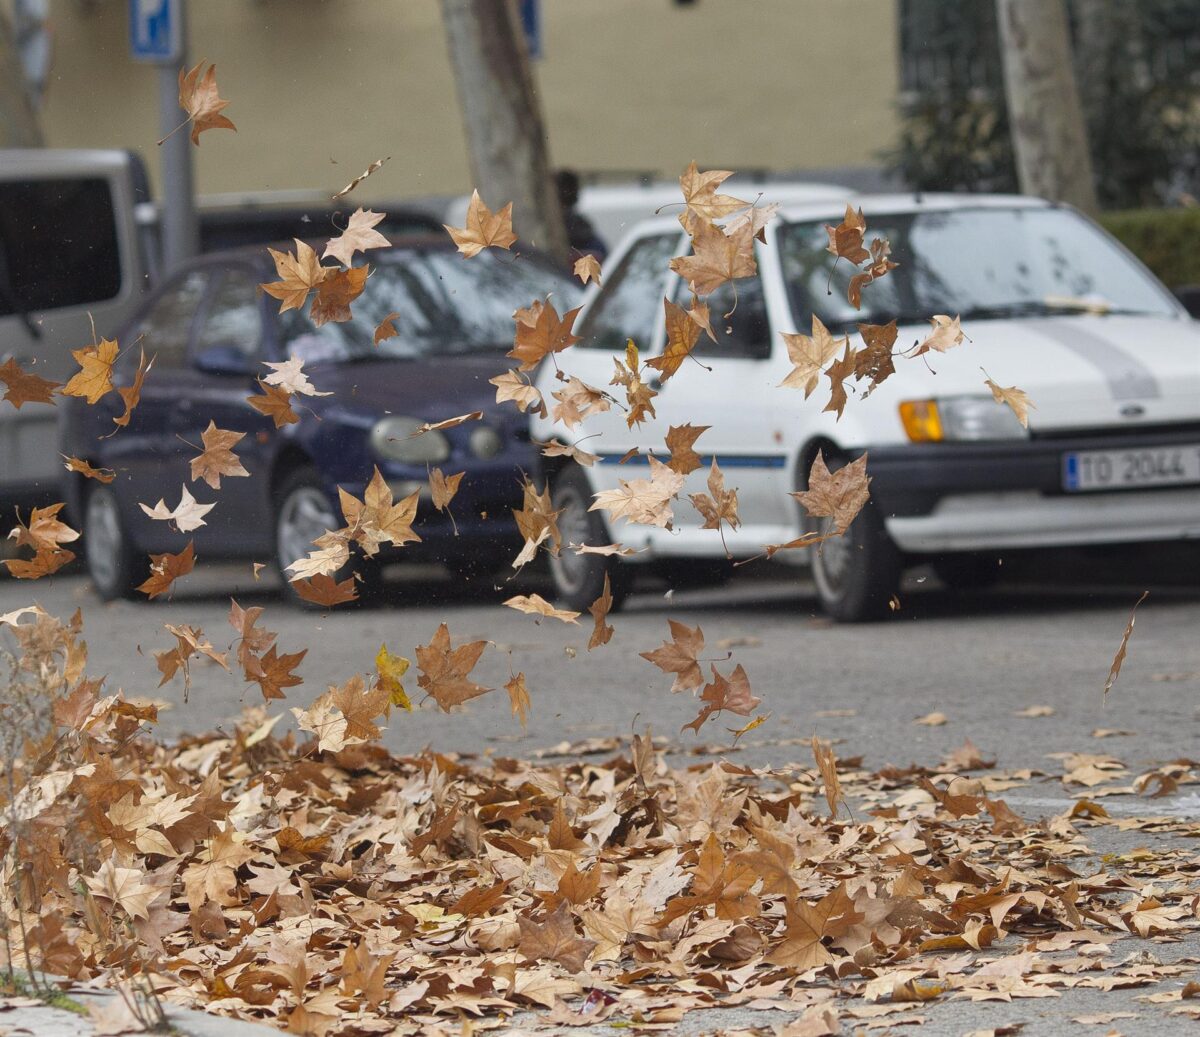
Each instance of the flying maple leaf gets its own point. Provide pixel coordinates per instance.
(541, 332)
(877, 268)
(717, 258)
(837, 373)
(325, 591)
(454, 422)
(719, 509)
(947, 333)
(576, 400)
(386, 328)
(701, 202)
(373, 167)
(839, 495)
(131, 395)
(165, 569)
(444, 671)
(442, 489)
(638, 396)
(46, 534)
(602, 632)
(298, 275)
(682, 335)
(731, 693)
(874, 360)
(587, 268)
(680, 440)
(537, 522)
(198, 97)
(810, 355)
(275, 403)
(251, 638)
(187, 515)
(375, 520)
(756, 219)
(511, 386)
(360, 234)
(645, 501)
(335, 294)
(484, 228)
(518, 698)
(1016, 398)
(75, 464)
(94, 377)
(290, 376)
(573, 451)
(21, 387)
(218, 458)
(390, 670)
(807, 925)
(273, 672)
(554, 938)
(679, 656)
(1114, 671)
(189, 642)
(846, 239)
(536, 605)
(827, 765)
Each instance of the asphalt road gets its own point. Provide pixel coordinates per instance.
(1046, 636)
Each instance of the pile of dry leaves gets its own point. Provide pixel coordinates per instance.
(356, 892)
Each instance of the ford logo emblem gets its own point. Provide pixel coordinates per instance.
(1132, 410)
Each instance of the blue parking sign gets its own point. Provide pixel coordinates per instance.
(154, 30)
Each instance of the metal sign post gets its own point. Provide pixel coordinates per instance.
(158, 35)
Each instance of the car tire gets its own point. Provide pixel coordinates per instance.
(968, 572)
(858, 573)
(116, 568)
(579, 578)
(303, 511)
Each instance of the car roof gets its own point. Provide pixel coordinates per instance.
(827, 206)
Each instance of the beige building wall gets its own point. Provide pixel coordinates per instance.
(320, 88)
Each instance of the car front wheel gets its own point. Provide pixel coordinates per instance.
(858, 573)
(303, 512)
(114, 566)
(579, 578)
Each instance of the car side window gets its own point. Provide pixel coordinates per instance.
(233, 317)
(632, 298)
(745, 333)
(165, 329)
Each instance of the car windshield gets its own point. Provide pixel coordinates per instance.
(445, 305)
(979, 262)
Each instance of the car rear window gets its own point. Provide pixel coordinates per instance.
(58, 244)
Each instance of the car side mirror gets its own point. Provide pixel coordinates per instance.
(222, 359)
(1189, 295)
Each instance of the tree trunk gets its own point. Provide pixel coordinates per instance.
(1043, 102)
(510, 160)
(18, 124)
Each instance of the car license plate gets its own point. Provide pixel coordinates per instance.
(1117, 469)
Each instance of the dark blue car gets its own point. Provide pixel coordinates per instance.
(210, 328)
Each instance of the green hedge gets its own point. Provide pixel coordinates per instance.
(1166, 240)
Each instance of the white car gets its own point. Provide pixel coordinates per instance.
(1049, 303)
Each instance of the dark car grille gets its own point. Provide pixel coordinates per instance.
(1117, 431)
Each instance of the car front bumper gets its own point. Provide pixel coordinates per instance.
(982, 496)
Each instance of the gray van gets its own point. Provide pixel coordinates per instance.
(70, 254)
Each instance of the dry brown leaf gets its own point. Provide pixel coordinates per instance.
(444, 671)
(719, 509)
(1114, 671)
(716, 258)
(290, 376)
(587, 268)
(187, 515)
(721, 693)
(837, 373)
(484, 228)
(94, 378)
(131, 395)
(360, 234)
(75, 464)
(325, 591)
(639, 397)
(645, 501)
(846, 239)
(335, 293)
(702, 203)
(932, 720)
(810, 355)
(511, 386)
(537, 522)
(838, 496)
(573, 451)
(518, 698)
(1016, 398)
(165, 569)
(198, 97)
(386, 328)
(875, 359)
(827, 765)
(376, 520)
(373, 167)
(576, 400)
(680, 440)
(947, 333)
(442, 487)
(21, 387)
(682, 335)
(540, 333)
(680, 656)
(298, 275)
(554, 938)
(218, 458)
(536, 605)
(601, 632)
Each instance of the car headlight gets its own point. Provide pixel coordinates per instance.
(958, 418)
(394, 439)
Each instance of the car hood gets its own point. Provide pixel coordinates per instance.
(432, 390)
(1079, 371)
